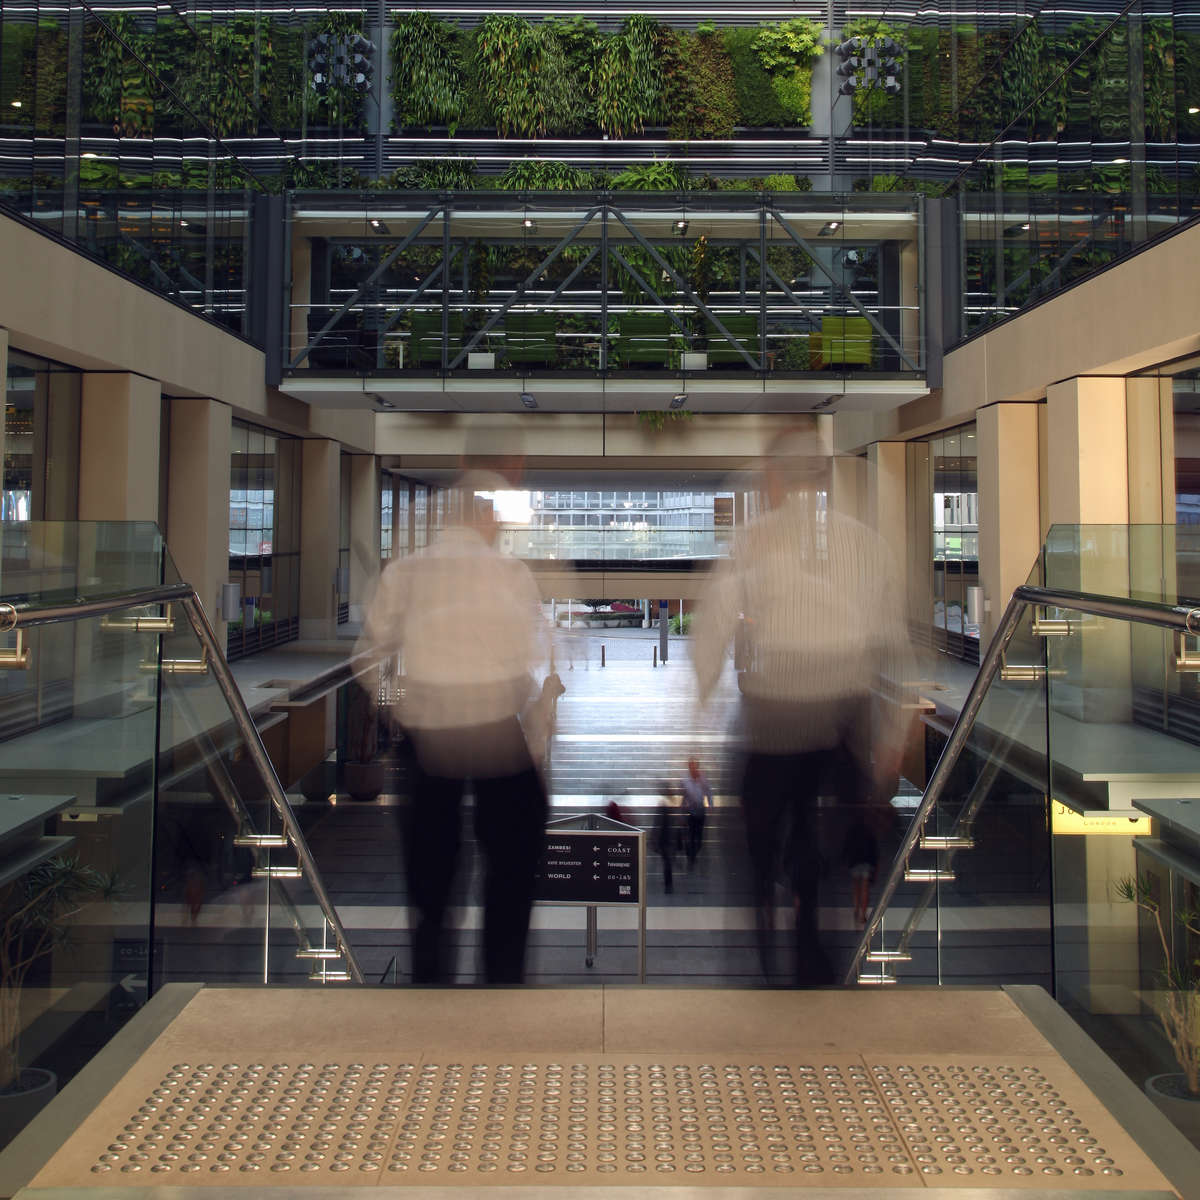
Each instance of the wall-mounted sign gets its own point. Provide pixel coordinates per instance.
(1098, 822)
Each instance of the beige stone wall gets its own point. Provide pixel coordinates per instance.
(119, 441)
(198, 497)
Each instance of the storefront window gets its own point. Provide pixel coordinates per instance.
(264, 538)
(387, 509)
(41, 441)
(946, 600)
(343, 565)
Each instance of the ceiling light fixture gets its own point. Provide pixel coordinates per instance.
(1193, 109)
(681, 227)
(528, 400)
(16, 104)
(828, 228)
(379, 226)
(679, 400)
(1120, 161)
(530, 225)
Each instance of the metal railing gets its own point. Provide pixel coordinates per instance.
(15, 617)
(1180, 619)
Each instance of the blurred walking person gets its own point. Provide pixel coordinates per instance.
(811, 596)
(665, 835)
(469, 626)
(697, 796)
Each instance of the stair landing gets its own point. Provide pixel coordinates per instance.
(529, 1089)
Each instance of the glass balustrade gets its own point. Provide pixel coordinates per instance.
(1059, 838)
(688, 284)
(130, 775)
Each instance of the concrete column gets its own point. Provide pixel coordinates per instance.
(1087, 430)
(119, 430)
(886, 491)
(919, 503)
(319, 513)
(198, 464)
(1010, 532)
(1088, 451)
(1102, 473)
(848, 489)
(364, 532)
(1150, 417)
(4, 376)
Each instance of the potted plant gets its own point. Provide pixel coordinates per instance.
(36, 911)
(1177, 1003)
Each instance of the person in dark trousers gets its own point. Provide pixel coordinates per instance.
(860, 853)
(664, 836)
(468, 623)
(697, 796)
(812, 594)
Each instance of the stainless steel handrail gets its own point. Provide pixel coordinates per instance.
(14, 616)
(185, 595)
(1174, 617)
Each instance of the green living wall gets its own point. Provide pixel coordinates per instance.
(560, 77)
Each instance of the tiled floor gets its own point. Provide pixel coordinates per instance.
(469, 1090)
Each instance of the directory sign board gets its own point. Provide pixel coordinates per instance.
(589, 866)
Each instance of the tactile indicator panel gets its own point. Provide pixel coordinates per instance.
(988, 1121)
(629, 1120)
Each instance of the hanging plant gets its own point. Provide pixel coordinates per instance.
(656, 419)
(628, 83)
(534, 175)
(341, 66)
(871, 102)
(657, 175)
(525, 78)
(435, 175)
(699, 97)
(786, 51)
(427, 71)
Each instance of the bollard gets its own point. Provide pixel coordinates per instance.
(602, 654)
(654, 659)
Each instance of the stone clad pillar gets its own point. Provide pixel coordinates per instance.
(198, 480)
(320, 502)
(119, 431)
(1111, 471)
(1010, 504)
(364, 532)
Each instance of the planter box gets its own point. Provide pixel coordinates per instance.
(481, 360)
(694, 360)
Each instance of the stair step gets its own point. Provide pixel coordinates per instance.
(277, 873)
(261, 840)
(928, 875)
(321, 952)
(325, 975)
(882, 956)
(879, 980)
(948, 842)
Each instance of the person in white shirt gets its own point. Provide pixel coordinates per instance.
(810, 597)
(467, 622)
